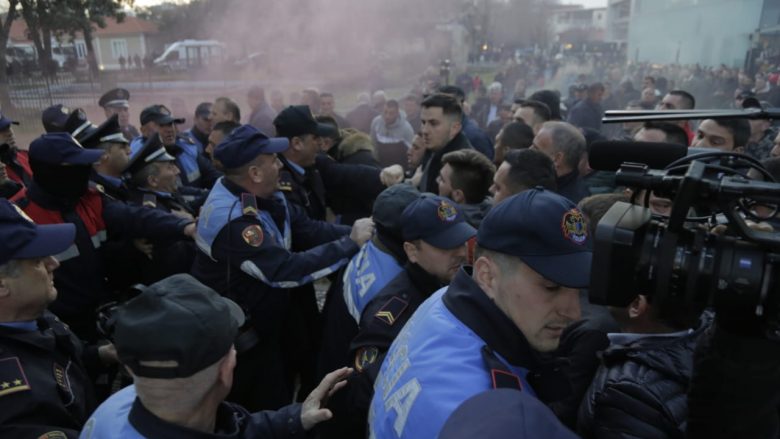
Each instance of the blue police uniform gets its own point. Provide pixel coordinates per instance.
(197, 138)
(460, 343)
(366, 274)
(124, 416)
(245, 245)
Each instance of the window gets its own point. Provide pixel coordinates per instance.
(118, 48)
(81, 50)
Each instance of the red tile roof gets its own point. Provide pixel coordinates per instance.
(130, 25)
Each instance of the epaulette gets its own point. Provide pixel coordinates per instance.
(248, 204)
(12, 376)
(150, 201)
(186, 138)
(285, 182)
(392, 310)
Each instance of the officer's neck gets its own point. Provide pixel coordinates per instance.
(107, 170)
(201, 418)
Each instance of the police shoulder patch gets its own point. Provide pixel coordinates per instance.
(12, 377)
(365, 357)
(391, 310)
(253, 235)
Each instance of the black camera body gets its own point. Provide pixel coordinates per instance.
(678, 261)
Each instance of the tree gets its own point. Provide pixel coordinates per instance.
(43, 18)
(83, 14)
(5, 29)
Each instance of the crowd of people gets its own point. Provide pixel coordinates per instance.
(158, 283)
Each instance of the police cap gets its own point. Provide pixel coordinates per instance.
(152, 151)
(297, 120)
(59, 118)
(21, 238)
(244, 144)
(544, 230)
(159, 114)
(62, 149)
(436, 220)
(5, 122)
(117, 97)
(389, 206)
(108, 131)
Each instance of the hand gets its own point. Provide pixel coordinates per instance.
(190, 230)
(107, 354)
(183, 214)
(312, 412)
(392, 175)
(362, 231)
(144, 246)
(720, 229)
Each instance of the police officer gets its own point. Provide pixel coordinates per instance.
(196, 170)
(176, 338)
(374, 266)
(152, 176)
(245, 236)
(44, 387)
(106, 175)
(16, 163)
(116, 101)
(201, 127)
(60, 194)
(61, 119)
(435, 233)
(489, 327)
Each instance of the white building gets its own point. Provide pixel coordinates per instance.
(575, 23)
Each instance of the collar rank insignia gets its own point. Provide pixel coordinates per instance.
(391, 310)
(365, 357)
(150, 201)
(12, 378)
(248, 204)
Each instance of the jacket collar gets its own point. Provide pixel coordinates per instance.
(567, 179)
(472, 306)
(149, 425)
(423, 281)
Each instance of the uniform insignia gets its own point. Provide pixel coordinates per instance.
(56, 434)
(285, 182)
(12, 378)
(100, 188)
(150, 201)
(446, 212)
(248, 204)
(573, 227)
(365, 357)
(391, 310)
(505, 380)
(253, 235)
(61, 378)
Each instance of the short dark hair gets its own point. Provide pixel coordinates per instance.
(552, 99)
(739, 129)
(596, 87)
(517, 135)
(650, 78)
(596, 206)
(231, 107)
(448, 104)
(541, 110)
(335, 134)
(674, 134)
(225, 127)
(453, 90)
(391, 103)
(687, 98)
(528, 169)
(472, 173)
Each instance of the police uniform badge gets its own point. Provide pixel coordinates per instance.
(12, 378)
(446, 212)
(365, 357)
(253, 235)
(391, 310)
(56, 434)
(63, 383)
(573, 227)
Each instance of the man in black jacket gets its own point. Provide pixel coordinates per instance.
(441, 130)
(565, 145)
(640, 391)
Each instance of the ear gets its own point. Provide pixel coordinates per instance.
(225, 375)
(558, 159)
(455, 128)
(296, 143)
(458, 197)
(486, 274)
(255, 174)
(411, 252)
(151, 181)
(638, 307)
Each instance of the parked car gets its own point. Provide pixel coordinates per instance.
(187, 54)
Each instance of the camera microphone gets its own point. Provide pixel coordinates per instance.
(608, 155)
